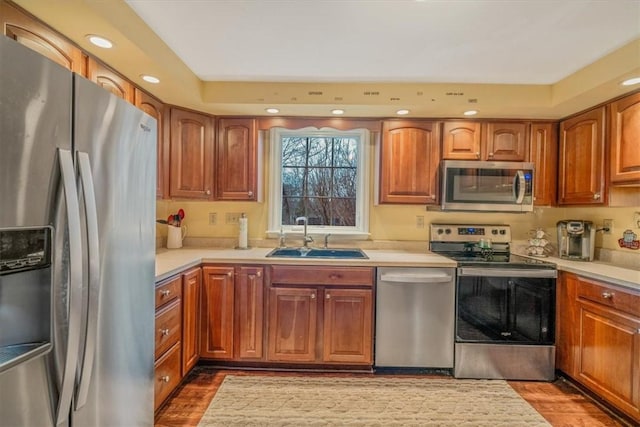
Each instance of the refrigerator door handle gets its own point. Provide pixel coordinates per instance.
(75, 286)
(84, 167)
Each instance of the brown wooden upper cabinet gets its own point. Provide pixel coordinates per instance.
(544, 155)
(156, 109)
(110, 80)
(409, 158)
(624, 140)
(237, 159)
(30, 32)
(461, 140)
(192, 155)
(496, 141)
(582, 159)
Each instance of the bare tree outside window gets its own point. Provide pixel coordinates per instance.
(319, 179)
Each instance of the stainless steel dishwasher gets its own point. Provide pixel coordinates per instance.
(415, 317)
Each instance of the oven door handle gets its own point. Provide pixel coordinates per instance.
(507, 272)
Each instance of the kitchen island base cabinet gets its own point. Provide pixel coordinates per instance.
(598, 340)
(324, 318)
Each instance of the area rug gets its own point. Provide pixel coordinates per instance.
(371, 401)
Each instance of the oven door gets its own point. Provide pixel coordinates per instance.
(487, 186)
(507, 306)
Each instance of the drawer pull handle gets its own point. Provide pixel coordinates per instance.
(165, 292)
(607, 295)
(165, 378)
(164, 332)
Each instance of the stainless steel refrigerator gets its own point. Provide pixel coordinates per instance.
(77, 249)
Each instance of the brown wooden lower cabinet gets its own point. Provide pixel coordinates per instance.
(323, 316)
(167, 374)
(598, 339)
(191, 289)
(232, 313)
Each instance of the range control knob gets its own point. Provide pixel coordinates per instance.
(494, 231)
(503, 232)
(447, 231)
(440, 231)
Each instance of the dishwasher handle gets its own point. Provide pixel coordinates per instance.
(425, 278)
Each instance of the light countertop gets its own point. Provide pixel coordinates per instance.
(172, 261)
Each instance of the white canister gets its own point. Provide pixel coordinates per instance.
(175, 235)
(243, 223)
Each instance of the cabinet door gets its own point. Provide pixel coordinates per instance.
(292, 324)
(109, 80)
(461, 141)
(507, 141)
(191, 145)
(609, 360)
(217, 313)
(567, 318)
(348, 317)
(191, 284)
(624, 140)
(158, 110)
(249, 312)
(409, 159)
(544, 155)
(28, 31)
(581, 175)
(237, 159)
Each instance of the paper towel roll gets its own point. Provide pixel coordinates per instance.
(242, 235)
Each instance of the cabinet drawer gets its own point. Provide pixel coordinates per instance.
(168, 322)
(610, 296)
(167, 374)
(168, 291)
(302, 275)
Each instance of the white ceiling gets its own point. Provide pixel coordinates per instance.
(435, 41)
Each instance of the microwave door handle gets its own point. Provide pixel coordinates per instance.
(519, 187)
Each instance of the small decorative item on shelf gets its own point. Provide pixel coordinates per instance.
(539, 244)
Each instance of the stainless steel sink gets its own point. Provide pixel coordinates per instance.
(335, 253)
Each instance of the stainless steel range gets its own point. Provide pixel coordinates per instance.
(505, 304)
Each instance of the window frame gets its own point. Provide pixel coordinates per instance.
(363, 178)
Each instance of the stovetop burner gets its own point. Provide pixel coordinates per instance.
(480, 245)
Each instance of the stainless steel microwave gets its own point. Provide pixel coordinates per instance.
(487, 186)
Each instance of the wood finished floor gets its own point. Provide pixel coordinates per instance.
(559, 402)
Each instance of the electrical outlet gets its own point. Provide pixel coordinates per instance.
(213, 218)
(232, 218)
(636, 219)
(607, 224)
(419, 221)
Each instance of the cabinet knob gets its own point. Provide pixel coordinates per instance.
(250, 193)
(207, 192)
(258, 273)
(230, 273)
(165, 378)
(596, 196)
(607, 295)
(490, 154)
(328, 296)
(313, 296)
(165, 292)
(164, 332)
(432, 197)
(477, 154)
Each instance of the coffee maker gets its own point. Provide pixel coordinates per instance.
(576, 240)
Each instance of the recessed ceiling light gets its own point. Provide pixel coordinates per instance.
(337, 112)
(630, 82)
(272, 110)
(402, 112)
(150, 79)
(470, 113)
(100, 41)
